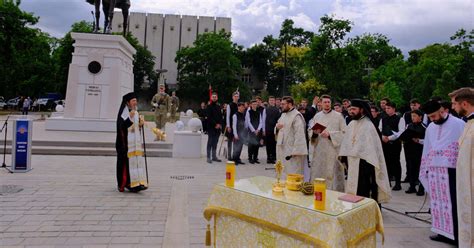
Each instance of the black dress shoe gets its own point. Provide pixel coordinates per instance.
(397, 187)
(256, 161)
(209, 161)
(135, 190)
(216, 160)
(411, 190)
(251, 161)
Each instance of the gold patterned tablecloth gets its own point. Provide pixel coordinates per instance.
(250, 215)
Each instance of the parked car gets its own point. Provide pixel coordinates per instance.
(3, 104)
(44, 104)
(13, 103)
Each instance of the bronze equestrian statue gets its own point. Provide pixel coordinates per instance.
(108, 7)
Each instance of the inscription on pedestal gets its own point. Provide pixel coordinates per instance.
(92, 101)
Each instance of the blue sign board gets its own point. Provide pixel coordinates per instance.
(21, 146)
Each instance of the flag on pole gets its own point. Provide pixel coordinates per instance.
(210, 93)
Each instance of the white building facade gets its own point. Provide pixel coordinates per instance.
(164, 35)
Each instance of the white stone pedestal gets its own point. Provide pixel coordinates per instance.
(100, 73)
(187, 144)
(170, 128)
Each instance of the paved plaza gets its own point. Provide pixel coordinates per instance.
(72, 201)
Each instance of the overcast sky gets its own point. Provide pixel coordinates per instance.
(409, 24)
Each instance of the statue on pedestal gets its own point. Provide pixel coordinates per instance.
(108, 7)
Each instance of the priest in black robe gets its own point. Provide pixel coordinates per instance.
(131, 170)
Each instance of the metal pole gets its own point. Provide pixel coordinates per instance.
(5, 143)
(283, 90)
(144, 152)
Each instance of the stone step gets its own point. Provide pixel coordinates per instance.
(86, 151)
(91, 144)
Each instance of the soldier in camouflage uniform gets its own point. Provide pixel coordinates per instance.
(174, 107)
(161, 102)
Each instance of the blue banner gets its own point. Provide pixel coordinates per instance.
(21, 146)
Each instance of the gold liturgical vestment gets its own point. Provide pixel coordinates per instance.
(291, 141)
(361, 141)
(324, 163)
(465, 185)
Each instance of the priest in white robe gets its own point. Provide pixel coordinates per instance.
(367, 175)
(463, 102)
(290, 132)
(324, 146)
(438, 170)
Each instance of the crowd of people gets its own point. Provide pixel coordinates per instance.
(357, 146)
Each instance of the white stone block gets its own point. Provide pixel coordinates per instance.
(187, 144)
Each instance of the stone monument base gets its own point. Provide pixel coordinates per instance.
(187, 144)
(81, 125)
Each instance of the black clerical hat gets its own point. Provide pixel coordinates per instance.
(360, 103)
(129, 96)
(431, 106)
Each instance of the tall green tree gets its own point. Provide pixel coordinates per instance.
(433, 71)
(24, 53)
(285, 57)
(212, 60)
(343, 65)
(464, 46)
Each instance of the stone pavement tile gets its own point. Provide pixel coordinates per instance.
(49, 234)
(11, 234)
(93, 228)
(87, 240)
(44, 241)
(39, 246)
(99, 217)
(9, 217)
(84, 234)
(129, 234)
(71, 228)
(37, 217)
(152, 240)
(22, 228)
(146, 246)
(85, 222)
(11, 241)
(69, 217)
(125, 240)
(156, 234)
(67, 234)
(3, 227)
(50, 228)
